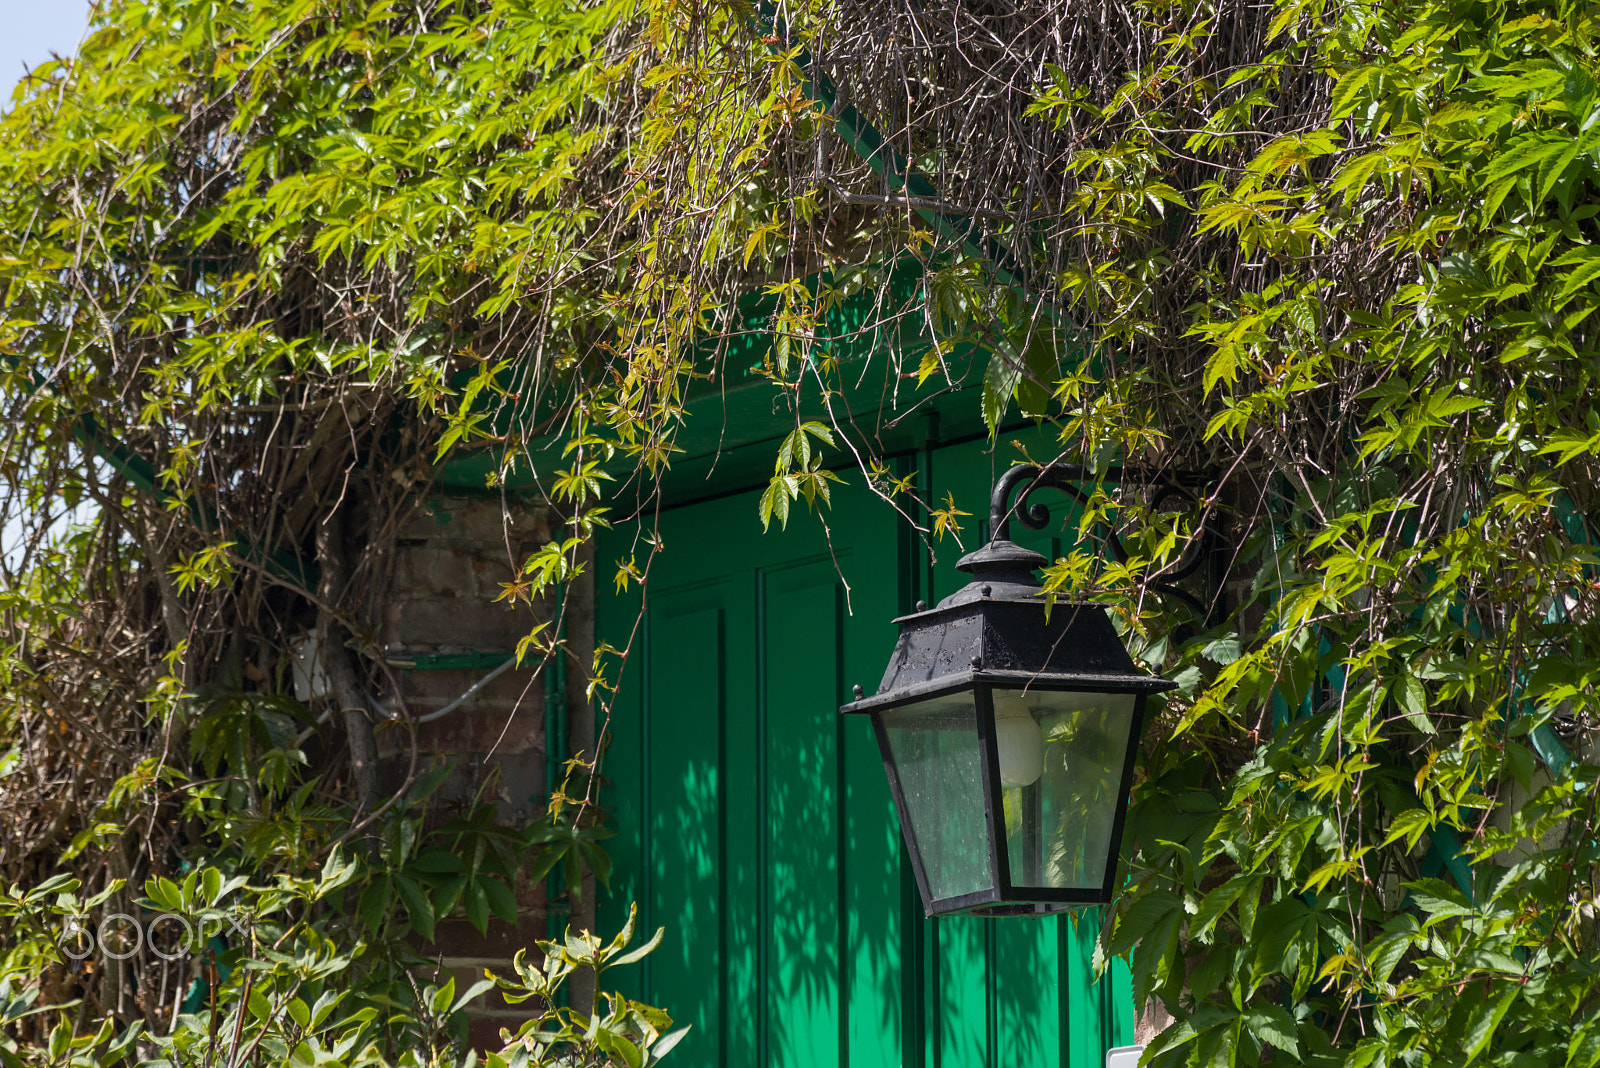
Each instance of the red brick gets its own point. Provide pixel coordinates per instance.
(480, 520)
(432, 570)
(478, 728)
(459, 939)
(483, 1033)
(438, 688)
(458, 624)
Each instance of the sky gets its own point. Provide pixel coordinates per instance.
(31, 29)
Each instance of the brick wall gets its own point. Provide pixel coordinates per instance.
(450, 560)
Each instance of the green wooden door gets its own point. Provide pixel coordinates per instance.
(755, 825)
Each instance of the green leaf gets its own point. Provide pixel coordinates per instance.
(999, 383)
(60, 1039)
(1526, 151)
(1278, 925)
(1584, 144)
(1034, 388)
(375, 904)
(1349, 89)
(1153, 957)
(597, 860)
(775, 502)
(1385, 953)
(1283, 154)
(447, 895)
(1439, 899)
(1485, 1019)
(1222, 365)
(67, 883)
(1570, 444)
(1223, 651)
(639, 952)
(1587, 269)
(419, 909)
(476, 990)
(545, 860)
(1520, 764)
(821, 431)
(477, 906)
(1411, 825)
(326, 1002)
(439, 1004)
(1583, 1049)
(618, 1045)
(260, 1007)
(668, 1042)
(500, 898)
(428, 782)
(436, 862)
(1215, 904)
(1411, 696)
(1141, 917)
(1273, 1025)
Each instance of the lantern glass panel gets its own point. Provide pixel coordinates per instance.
(934, 746)
(1058, 827)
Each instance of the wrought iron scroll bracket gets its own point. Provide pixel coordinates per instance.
(1068, 479)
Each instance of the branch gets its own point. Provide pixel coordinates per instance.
(331, 635)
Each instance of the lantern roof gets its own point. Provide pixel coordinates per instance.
(1003, 628)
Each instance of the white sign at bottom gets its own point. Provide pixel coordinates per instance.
(1123, 1056)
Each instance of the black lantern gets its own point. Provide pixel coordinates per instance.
(1009, 732)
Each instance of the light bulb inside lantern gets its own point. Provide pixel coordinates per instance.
(1019, 740)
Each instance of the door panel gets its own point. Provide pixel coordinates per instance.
(686, 835)
(1027, 1011)
(963, 994)
(800, 688)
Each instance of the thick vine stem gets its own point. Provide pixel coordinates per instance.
(336, 662)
